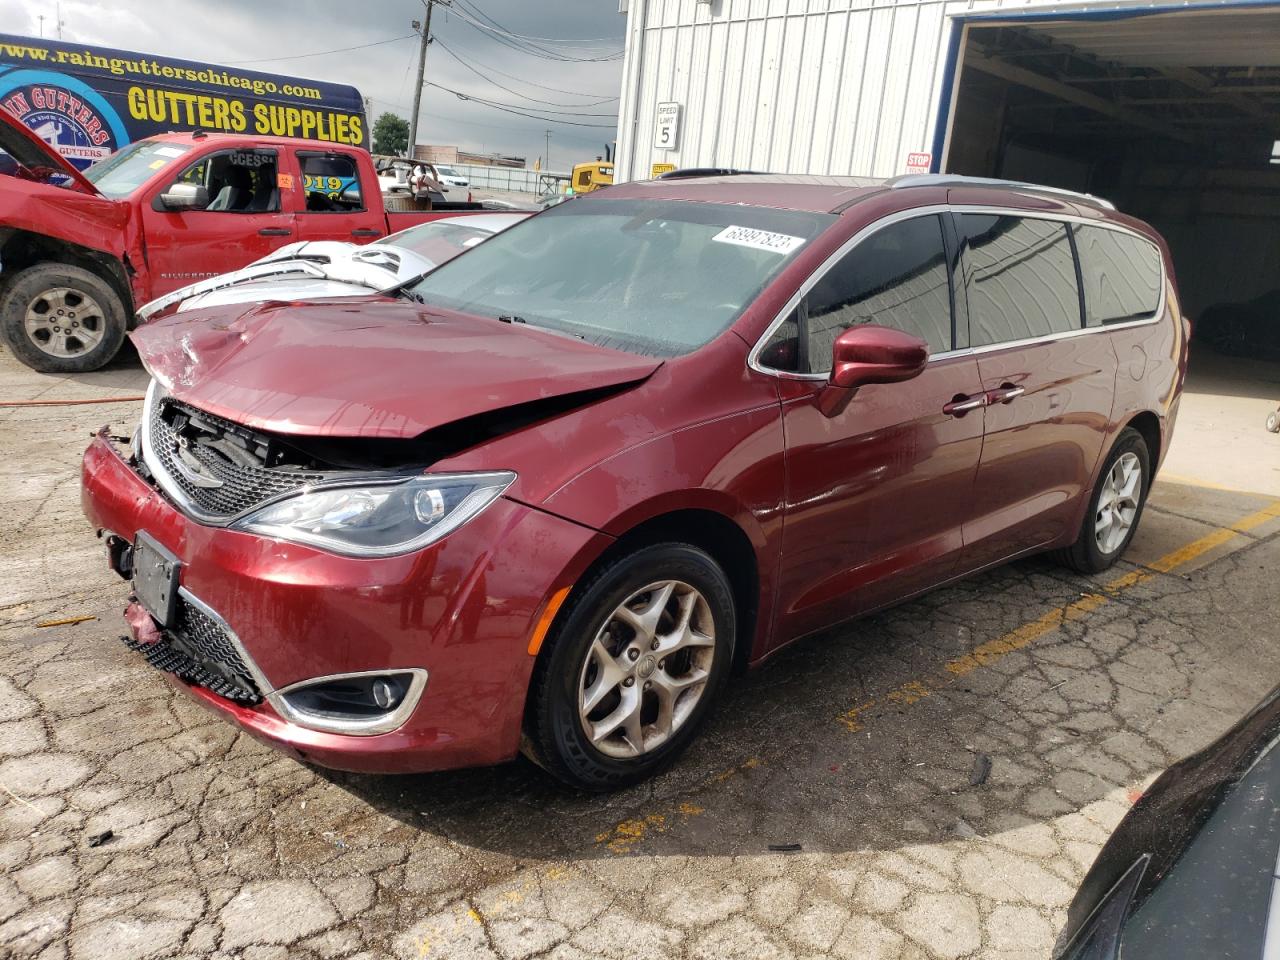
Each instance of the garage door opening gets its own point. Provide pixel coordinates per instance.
(1174, 117)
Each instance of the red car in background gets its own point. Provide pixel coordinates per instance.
(79, 252)
(550, 495)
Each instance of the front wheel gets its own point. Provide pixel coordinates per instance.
(1115, 506)
(57, 318)
(1273, 421)
(632, 668)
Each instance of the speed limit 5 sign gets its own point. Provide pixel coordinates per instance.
(667, 132)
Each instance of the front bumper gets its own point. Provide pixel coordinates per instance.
(462, 610)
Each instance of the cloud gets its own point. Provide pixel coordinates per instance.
(234, 31)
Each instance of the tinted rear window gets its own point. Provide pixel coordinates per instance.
(1020, 278)
(1121, 275)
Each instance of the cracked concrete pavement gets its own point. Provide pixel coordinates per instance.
(857, 746)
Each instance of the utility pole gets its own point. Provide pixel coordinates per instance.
(40, 17)
(546, 157)
(417, 90)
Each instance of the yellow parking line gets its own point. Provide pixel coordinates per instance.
(628, 833)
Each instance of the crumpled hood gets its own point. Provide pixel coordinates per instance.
(306, 270)
(367, 367)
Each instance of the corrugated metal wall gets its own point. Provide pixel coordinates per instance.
(793, 86)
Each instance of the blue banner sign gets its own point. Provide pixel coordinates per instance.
(89, 102)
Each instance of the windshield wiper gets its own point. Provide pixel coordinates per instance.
(511, 318)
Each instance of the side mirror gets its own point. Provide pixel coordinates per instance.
(870, 354)
(184, 196)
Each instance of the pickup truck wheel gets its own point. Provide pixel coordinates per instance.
(58, 318)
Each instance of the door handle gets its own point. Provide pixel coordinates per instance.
(366, 232)
(1006, 394)
(275, 232)
(963, 404)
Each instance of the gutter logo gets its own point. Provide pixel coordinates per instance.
(68, 115)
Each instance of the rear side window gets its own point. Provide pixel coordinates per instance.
(332, 183)
(1121, 275)
(896, 278)
(1019, 277)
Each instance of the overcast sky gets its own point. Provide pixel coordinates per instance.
(273, 34)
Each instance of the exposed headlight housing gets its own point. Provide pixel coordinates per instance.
(379, 518)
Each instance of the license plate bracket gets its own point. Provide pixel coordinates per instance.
(155, 578)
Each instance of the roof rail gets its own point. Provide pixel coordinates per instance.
(685, 173)
(956, 180)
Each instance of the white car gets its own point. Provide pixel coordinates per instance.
(449, 176)
(321, 269)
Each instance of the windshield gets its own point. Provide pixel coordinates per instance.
(656, 277)
(125, 171)
(437, 241)
(445, 171)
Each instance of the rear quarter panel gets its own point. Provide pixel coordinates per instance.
(1152, 358)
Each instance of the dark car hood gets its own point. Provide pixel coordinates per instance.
(1198, 799)
(367, 367)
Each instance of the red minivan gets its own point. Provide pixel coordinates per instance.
(549, 496)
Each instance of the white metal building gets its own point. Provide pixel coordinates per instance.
(1170, 110)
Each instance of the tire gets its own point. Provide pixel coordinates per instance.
(1273, 421)
(570, 668)
(1094, 549)
(92, 309)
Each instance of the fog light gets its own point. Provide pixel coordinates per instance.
(354, 703)
(385, 695)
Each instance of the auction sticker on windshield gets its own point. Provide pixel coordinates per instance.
(782, 243)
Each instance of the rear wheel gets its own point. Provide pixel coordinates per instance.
(633, 668)
(58, 318)
(1115, 506)
(1273, 421)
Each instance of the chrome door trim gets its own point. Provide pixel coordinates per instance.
(753, 358)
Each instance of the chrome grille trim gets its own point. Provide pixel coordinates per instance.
(275, 484)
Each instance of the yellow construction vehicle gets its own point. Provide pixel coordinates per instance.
(591, 176)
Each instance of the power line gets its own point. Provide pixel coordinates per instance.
(508, 39)
(512, 76)
(519, 36)
(520, 113)
(320, 53)
(487, 79)
(521, 106)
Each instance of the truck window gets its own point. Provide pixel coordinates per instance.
(332, 182)
(236, 181)
(122, 173)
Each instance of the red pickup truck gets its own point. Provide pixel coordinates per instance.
(79, 251)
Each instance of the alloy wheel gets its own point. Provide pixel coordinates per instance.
(64, 322)
(646, 669)
(1118, 503)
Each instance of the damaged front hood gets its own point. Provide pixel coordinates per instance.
(311, 269)
(21, 142)
(368, 367)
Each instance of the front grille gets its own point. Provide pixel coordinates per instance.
(198, 650)
(242, 486)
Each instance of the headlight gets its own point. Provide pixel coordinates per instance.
(379, 519)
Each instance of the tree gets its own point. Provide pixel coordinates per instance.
(390, 135)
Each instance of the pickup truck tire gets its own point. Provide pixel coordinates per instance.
(57, 318)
